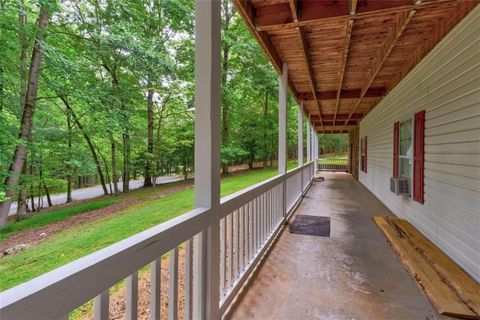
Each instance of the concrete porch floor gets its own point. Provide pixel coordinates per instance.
(354, 274)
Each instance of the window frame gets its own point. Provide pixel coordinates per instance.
(410, 118)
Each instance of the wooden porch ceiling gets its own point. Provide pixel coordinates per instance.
(344, 56)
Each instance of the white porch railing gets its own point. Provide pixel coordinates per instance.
(249, 221)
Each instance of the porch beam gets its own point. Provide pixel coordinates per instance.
(340, 116)
(294, 9)
(315, 153)
(248, 12)
(308, 68)
(300, 135)
(348, 36)
(338, 123)
(282, 121)
(352, 4)
(339, 128)
(382, 54)
(344, 94)
(307, 132)
(207, 155)
(310, 13)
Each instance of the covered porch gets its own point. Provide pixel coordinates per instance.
(239, 260)
(353, 274)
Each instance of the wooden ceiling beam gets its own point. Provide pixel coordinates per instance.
(339, 123)
(382, 54)
(340, 116)
(329, 128)
(352, 4)
(247, 10)
(294, 9)
(308, 68)
(348, 36)
(344, 94)
(279, 16)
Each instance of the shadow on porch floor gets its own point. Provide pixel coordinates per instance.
(353, 274)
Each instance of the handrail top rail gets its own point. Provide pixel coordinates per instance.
(70, 277)
(230, 202)
(68, 283)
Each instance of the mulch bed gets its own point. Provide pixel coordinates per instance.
(118, 299)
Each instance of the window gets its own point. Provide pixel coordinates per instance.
(363, 154)
(406, 149)
(409, 153)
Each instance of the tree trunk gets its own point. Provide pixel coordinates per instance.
(114, 164)
(47, 193)
(225, 109)
(105, 165)
(27, 116)
(32, 199)
(228, 13)
(22, 40)
(126, 160)
(265, 129)
(69, 168)
(149, 156)
(40, 198)
(22, 195)
(89, 143)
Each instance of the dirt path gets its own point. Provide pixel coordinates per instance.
(35, 236)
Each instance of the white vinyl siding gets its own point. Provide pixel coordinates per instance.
(446, 84)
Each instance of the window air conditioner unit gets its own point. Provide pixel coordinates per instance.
(400, 186)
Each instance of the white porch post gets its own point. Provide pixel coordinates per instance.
(207, 155)
(282, 133)
(315, 153)
(308, 133)
(312, 148)
(282, 121)
(300, 135)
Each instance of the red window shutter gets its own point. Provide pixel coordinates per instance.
(362, 158)
(419, 156)
(396, 147)
(366, 161)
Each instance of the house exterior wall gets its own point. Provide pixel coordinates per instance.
(446, 84)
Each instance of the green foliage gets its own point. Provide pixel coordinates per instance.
(339, 159)
(46, 218)
(79, 241)
(333, 143)
(102, 58)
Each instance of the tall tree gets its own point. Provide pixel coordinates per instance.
(148, 163)
(89, 141)
(28, 112)
(228, 12)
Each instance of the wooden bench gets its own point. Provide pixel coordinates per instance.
(451, 290)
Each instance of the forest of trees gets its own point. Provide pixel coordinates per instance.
(105, 88)
(332, 143)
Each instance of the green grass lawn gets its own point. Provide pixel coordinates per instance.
(39, 220)
(77, 242)
(340, 158)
